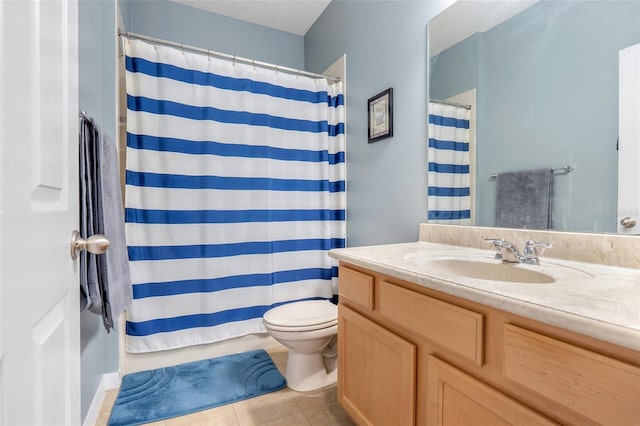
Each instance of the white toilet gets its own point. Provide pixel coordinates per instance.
(306, 329)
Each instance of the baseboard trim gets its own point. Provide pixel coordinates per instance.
(108, 381)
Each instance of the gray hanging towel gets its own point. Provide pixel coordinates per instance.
(92, 270)
(105, 285)
(524, 199)
(118, 291)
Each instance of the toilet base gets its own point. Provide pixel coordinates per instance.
(306, 372)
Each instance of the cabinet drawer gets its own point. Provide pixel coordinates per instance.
(356, 287)
(598, 387)
(454, 328)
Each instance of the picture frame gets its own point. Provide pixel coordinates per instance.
(380, 115)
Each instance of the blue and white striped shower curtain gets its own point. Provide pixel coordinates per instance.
(235, 191)
(449, 200)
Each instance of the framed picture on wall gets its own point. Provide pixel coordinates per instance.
(381, 115)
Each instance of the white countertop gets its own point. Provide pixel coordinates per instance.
(595, 300)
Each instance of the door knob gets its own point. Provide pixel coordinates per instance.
(628, 222)
(97, 244)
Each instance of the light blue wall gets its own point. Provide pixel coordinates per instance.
(538, 109)
(183, 24)
(386, 46)
(97, 96)
(456, 70)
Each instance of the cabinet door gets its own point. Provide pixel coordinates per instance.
(455, 398)
(376, 372)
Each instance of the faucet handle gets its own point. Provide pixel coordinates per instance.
(495, 241)
(530, 251)
(498, 243)
(532, 244)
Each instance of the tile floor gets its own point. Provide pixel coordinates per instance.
(282, 408)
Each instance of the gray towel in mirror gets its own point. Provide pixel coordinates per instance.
(524, 199)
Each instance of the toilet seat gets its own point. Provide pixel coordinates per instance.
(302, 316)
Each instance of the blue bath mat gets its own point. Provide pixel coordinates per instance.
(168, 392)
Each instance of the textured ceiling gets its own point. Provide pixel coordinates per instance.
(466, 17)
(292, 16)
(460, 20)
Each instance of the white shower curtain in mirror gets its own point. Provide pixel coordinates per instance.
(235, 192)
(448, 156)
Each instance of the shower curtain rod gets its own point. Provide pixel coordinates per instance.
(233, 58)
(438, 101)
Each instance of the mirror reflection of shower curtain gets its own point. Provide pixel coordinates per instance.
(235, 192)
(449, 200)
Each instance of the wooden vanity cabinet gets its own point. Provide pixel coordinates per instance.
(409, 355)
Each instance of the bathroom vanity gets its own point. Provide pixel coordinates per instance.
(426, 337)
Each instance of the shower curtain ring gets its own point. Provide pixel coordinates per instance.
(182, 47)
(155, 44)
(254, 64)
(209, 54)
(276, 70)
(234, 61)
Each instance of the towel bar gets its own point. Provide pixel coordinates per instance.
(560, 170)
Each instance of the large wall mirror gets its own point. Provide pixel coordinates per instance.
(542, 81)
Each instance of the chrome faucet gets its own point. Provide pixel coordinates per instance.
(507, 252)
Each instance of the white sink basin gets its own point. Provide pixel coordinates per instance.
(503, 271)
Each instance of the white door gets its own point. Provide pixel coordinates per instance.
(39, 308)
(629, 142)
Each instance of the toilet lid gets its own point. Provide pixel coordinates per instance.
(310, 314)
